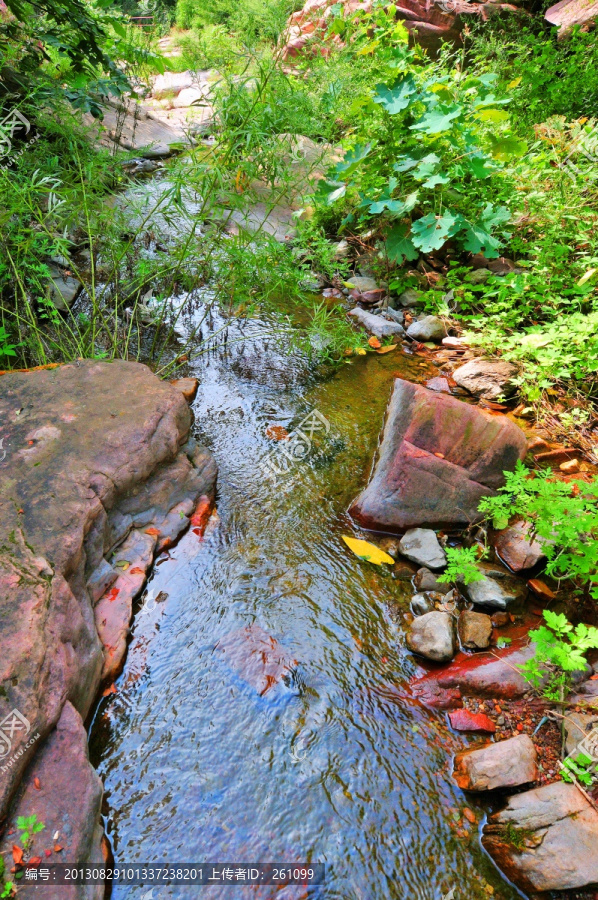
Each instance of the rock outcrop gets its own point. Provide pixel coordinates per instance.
(546, 839)
(65, 793)
(487, 674)
(429, 22)
(99, 474)
(439, 456)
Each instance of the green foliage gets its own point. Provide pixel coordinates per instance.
(462, 565)
(581, 768)
(559, 651)
(427, 136)
(28, 826)
(549, 77)
(563, 515)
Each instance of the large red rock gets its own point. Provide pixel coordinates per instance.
(438, 458)
(96, 454)
(493, 674)
(65, 793)
(430, 22)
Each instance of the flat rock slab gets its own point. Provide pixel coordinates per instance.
(376, 325)
(438, 458)
(257, 657)
(506, 764)
(557, 835)
(65, 793)
(96, 453)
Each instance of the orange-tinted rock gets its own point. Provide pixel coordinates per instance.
(466, 720)
(438, 458)
(506, 764)
(540, 589)
(187, 387)
(515, 548)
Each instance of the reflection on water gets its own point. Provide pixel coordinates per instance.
(197, 766)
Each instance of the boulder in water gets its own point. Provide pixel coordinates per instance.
(438, 458)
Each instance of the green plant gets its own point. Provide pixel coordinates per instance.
(516, 837)
(581, 768)
(28, 826)
(563, 516)
(560, 651)
(462, 565)
(429, 136)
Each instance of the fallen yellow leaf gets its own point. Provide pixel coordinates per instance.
(367, 551)
(387, 349)
(359, 351)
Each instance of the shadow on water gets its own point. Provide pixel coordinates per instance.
(197, 766)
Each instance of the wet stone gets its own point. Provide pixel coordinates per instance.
(433, 636)
(475, 630)
(257, 657)
(425, 580)
(421, 546)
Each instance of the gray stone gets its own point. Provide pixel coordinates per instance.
(396, 315)
(376, 325)
(506, 764)
(341, 249)
(430, 328)
(486, 378)
(433, 636)
(426, 581)
(475, 630)
(557, 835)
(421, 546)
(409, 298)
(363, 284)
(420, 605)
(488, 593)
(63, 290)
(478, 276)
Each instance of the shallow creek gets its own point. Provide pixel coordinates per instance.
(332, 768)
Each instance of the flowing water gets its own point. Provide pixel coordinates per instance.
(332, 768)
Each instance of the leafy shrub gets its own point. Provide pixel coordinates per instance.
(553, 77)
(559, 652)
(563, 516)
(429, 142)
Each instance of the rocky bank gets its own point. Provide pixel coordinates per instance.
(99, 473)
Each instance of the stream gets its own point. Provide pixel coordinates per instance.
(332, 768)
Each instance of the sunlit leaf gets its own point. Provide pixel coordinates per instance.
(394, 99)
(367, 551)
